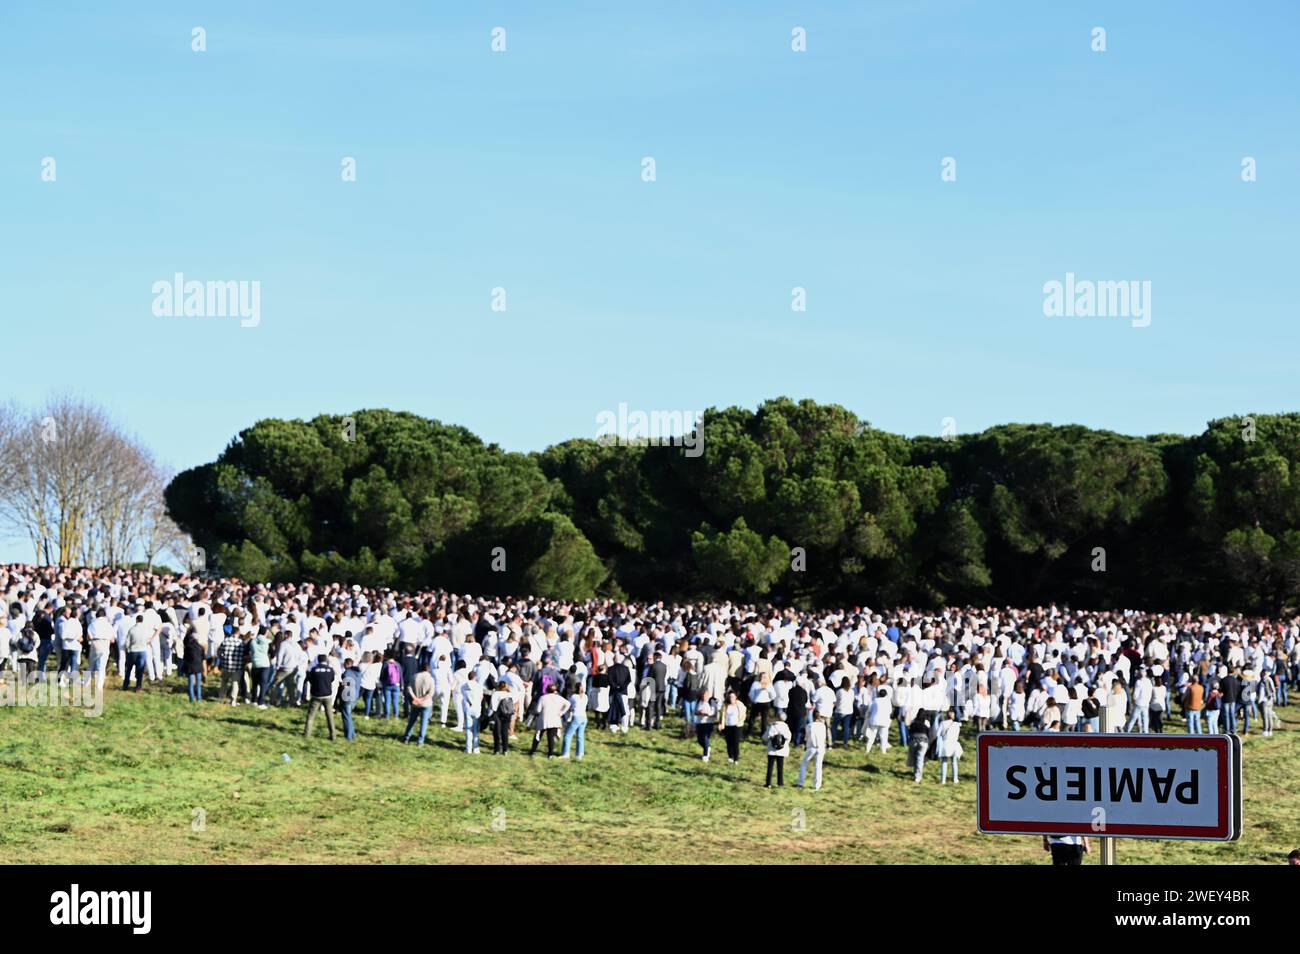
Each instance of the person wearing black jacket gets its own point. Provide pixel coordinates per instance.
(196, 664)
(658, 671)
(410, 663)
(320, 683)
(619, 680)
(796, 712)
(918, 741)
(43, 623)
(1230, 686)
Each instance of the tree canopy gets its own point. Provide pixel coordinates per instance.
(795, 502)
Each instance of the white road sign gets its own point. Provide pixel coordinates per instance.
(1113, 785)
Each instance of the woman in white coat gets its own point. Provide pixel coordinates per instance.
(878, 718)
(948, 747)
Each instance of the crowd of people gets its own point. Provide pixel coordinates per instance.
(548, 669)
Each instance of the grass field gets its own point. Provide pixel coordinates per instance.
(155, 779)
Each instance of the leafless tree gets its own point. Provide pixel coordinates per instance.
(81, 490)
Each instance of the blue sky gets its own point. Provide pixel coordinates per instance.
(775, 169)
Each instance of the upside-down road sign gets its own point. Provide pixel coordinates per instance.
(1110, 785)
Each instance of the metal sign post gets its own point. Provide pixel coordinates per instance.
(1107, 845)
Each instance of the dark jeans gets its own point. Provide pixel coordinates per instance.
(1067, 854)
(284, 678)
(138, 662)
(760, 709)
(779, 762)
(261, 684)
(194, 686)
(616, 707)
(840, 726)
(551, 735)
(732, 734)
(500, 733)
(43, 650)
(795, 721)
(704, 735)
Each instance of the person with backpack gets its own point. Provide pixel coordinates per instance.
(349, 693)
(390, 686)
(777, 737)
(577, 724)
(502, 707)
(25, 654)
(918, 742)
(419, 695)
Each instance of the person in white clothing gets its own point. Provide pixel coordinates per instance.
(1143, 690)
(879, 715)
(948, 747)
(814, 750)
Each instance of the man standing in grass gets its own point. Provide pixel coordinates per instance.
(320, 683)
(420, 697)
(230, 655)
(138, 638)
(471, 708)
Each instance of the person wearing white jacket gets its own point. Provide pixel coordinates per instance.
(814, 751)
(1143, 690)
(777, 737)
(948, 747)
(878, 719)
(551, 709)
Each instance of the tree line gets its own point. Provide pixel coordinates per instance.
(795, 502)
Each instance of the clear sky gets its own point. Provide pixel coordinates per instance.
(774, 169)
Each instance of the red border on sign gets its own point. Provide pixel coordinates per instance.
(1089, 740)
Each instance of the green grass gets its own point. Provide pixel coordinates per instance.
(124, 787)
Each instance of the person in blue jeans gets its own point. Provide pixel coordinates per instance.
(349, 693)
(138, 638)
(390, 684)
(194, 660)
(420, 696)
(577, 727)
(690, 698)
(1229, 711)
(43, 651)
